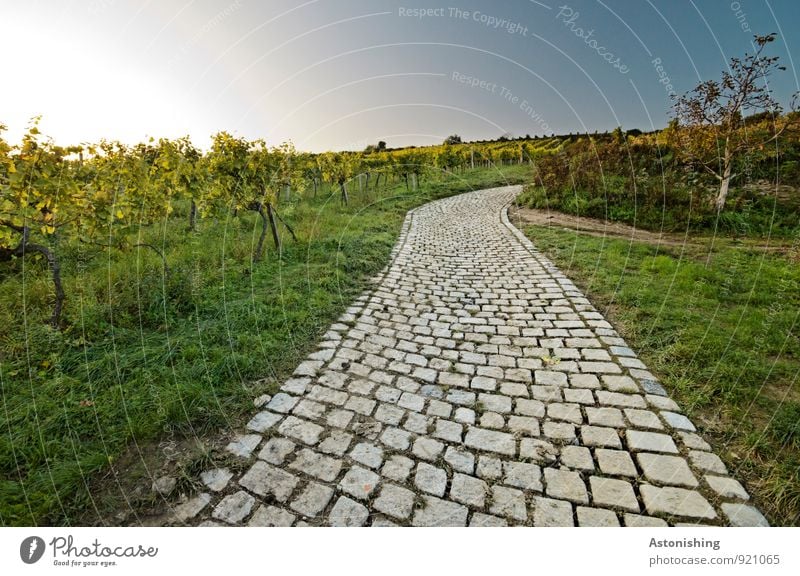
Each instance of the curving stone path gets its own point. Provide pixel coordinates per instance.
(476, 385)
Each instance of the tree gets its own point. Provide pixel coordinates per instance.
(710, 117)
(453, 139)
(37, 198)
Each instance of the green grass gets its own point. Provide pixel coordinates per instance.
(719, 326)
(144, 356)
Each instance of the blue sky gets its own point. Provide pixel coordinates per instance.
(335, 74)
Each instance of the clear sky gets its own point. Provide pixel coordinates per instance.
(340, 74)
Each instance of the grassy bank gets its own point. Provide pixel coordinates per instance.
(146, 355)
(718, 323)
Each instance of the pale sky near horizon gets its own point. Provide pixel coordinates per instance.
(341, 74)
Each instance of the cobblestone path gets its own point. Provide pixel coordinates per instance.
(475, 385)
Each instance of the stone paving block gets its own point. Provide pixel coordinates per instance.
(707, 462)
(388, 394)
(282, 402)
(327, 395)
(638, 521)
(662, 469)
(589, 381)
(397, 468)
(524, 425)
(461, 397)
(566, 412)
(360, 405)
(693, 441)
(264, 479)
(643, 419)
(610, 417)
(427, 448)
(600, 436)
(348, 513)
(615, 462)
(396, 438)
(538, 450)
(460, 460)
(613, 493)
(464, 415)
(367, 454)
(263, 421)
(650, 442)
(303, 430)
(449, 431)
(437, 512)
(359, 482)
(417, 423)
(440, 409)
(676, 502)
(336, 443)
(743, 515)
(508, 503)
(548, 512)
(492, 420)
(495, 403)
(234, 508)
(579, 396)
(489, 468)
(533, 408)
(468, 490)
(430, 479)
(191, 508)
(389, 414)
(727, 487)
(620, 400)
(662, 403)
(315, 464)
(597, 517)
(577, 458)
(486, 521)
(339, 418)
(617, 383)
(216, 479)
(267, 516)
(309, 409)
(312, 500)
(565, 485)
(395, 501)
(563, 431)
(523, 475)
(243, 445)
(490, 441)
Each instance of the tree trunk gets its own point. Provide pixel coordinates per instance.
(315, 187)
(274, 227)
(725, 181)
(259, 207)
(53, 264)
(343, 188)
(274, 211)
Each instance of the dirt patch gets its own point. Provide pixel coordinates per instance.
(520, 217)
(592, 227)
